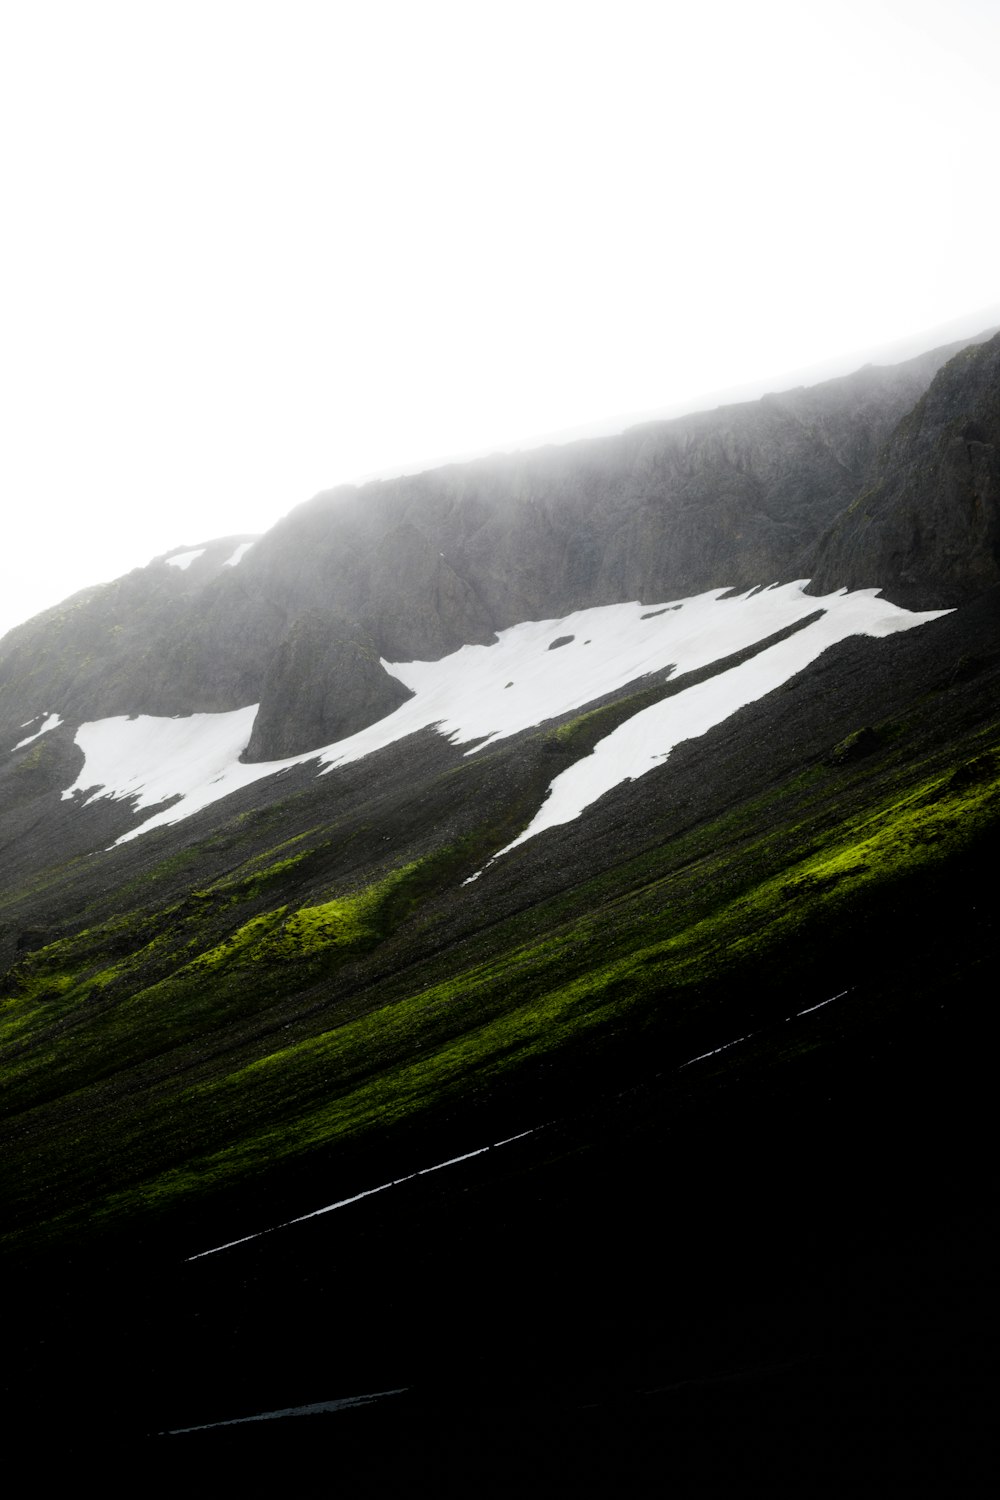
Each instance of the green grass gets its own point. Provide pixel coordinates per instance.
(639, 947)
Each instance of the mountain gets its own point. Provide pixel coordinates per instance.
(555, 890)
(930, 517)
(422, 565)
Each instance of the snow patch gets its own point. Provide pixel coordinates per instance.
(234, 560)
(463, 690)
(642, 742)
(184, 560)
(481, 694)
(52, 722)
(152, 760)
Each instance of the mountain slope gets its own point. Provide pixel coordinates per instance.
(425, 564)
(724, 1027)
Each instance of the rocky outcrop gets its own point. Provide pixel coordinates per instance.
(417, 605)
(928, 528)
(325, 682)
(161, 640)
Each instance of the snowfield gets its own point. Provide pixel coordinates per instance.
(194, 758)
(539, 670)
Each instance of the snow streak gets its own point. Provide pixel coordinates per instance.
(183, 560)
(383, 1187)
(52, 721)
(234, 560)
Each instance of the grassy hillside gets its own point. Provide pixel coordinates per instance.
(314, 998)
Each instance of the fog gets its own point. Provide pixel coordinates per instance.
(255, 251)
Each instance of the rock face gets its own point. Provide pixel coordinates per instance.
(929, 524)
(160, 640)
(900, 482)
(325, 681)
(732, 496)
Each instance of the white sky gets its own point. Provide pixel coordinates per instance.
(253, 250)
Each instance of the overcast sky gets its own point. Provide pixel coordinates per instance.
(253, 250)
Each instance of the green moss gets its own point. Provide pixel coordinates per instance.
(48, 984)
(857, 745)
(260, 877)
(468, 1032)
(241, 946)
(339, 924)
(242, 1037)
(279, 935)
(581, 734)
(32, 759)
(173, 985)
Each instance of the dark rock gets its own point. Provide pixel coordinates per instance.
(425, 563)
(928, 529)
(855, 747)
(325, 682)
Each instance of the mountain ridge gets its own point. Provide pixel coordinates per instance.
(739, 496)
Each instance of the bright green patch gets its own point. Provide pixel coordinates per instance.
(215, 1038)
(401, 1061)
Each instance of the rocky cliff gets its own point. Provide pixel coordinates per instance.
(416, 566)
(928, 524)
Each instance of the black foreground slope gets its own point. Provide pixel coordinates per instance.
(737, 1017)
